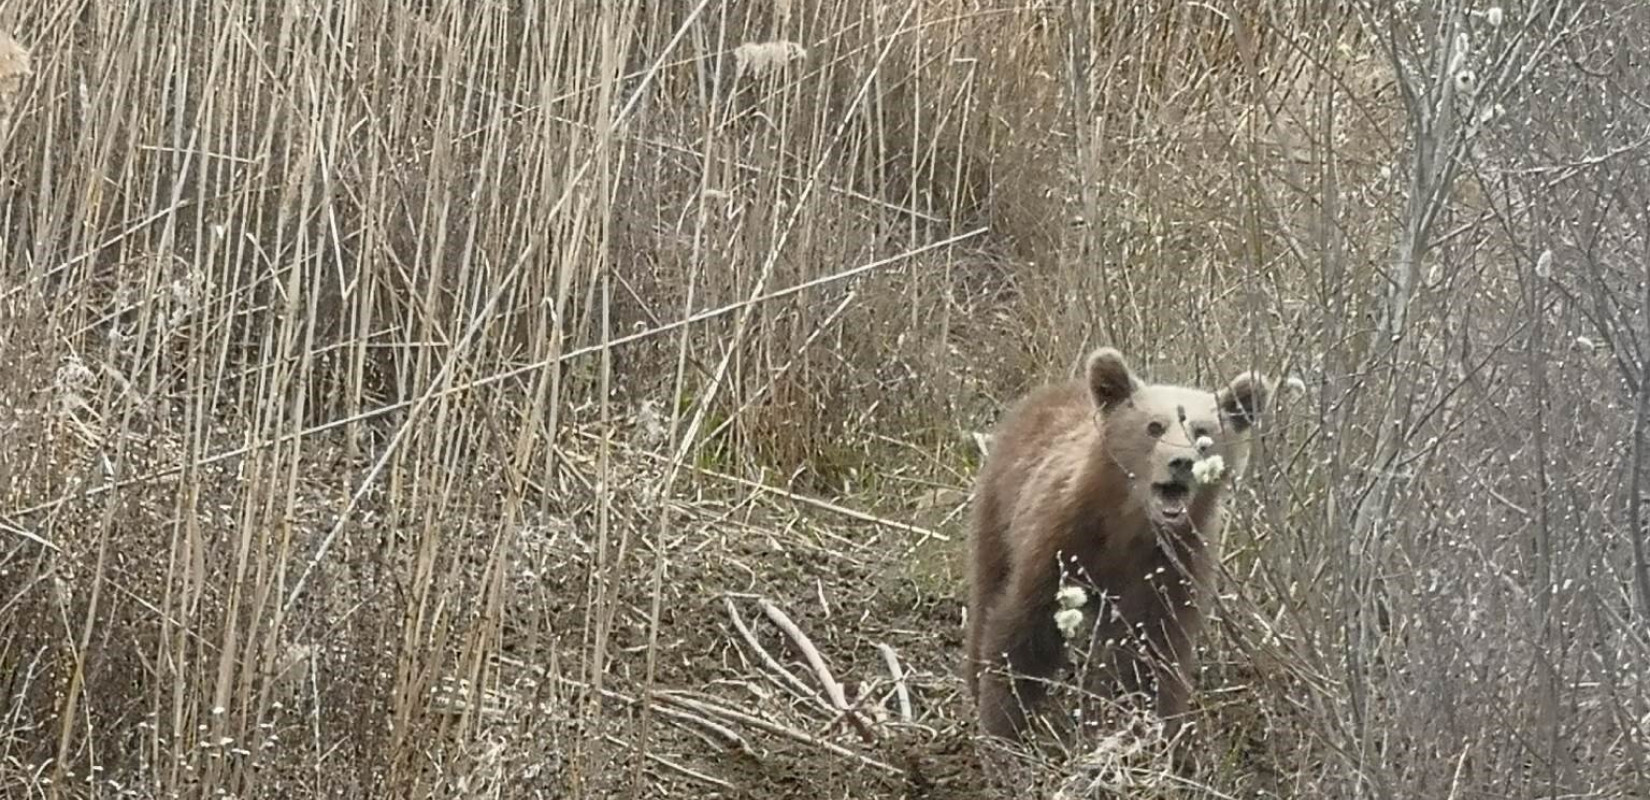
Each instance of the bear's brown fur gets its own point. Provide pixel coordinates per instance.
(1093, 478)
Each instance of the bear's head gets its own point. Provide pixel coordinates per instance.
(1177, 445)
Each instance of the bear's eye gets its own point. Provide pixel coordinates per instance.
(1199, 432)
(1155, 429)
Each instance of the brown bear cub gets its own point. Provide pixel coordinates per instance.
(1114, 486)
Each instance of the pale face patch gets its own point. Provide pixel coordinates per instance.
(1176, 443)
(1155, 436)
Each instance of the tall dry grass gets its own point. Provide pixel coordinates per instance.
(404, 400)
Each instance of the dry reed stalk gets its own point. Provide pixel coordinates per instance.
(14, 67)
(655, 758)
(440, 391)
(800, 499)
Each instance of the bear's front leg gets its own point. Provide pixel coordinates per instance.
(1173, 646)
(1143, 651)
(1173, 697)
(1174, 690)
(1021, 649)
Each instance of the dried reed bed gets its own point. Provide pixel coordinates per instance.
(571, 399)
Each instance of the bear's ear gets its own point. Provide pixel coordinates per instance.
(1244, 399)
(1110, 381)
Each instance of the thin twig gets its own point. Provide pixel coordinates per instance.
(28, 534)
(730, 739)
(670, 765)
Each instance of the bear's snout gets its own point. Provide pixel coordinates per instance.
(1180, 468)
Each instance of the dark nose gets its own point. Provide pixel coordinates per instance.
(1180, 465)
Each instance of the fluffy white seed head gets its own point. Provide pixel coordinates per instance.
(1209, 470)
(1067, 620)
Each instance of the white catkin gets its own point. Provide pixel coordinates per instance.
(1209, 470)
(1067, 620)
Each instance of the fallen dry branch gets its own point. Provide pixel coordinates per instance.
(775, 728)
(900, 689)
(817, 661)
(790, 680)
(678, 706)
(692, 723)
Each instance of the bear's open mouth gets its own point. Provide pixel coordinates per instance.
(1171, 501)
